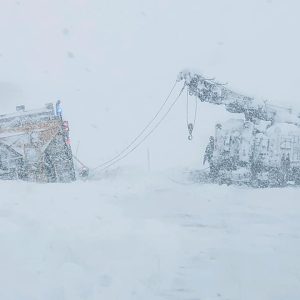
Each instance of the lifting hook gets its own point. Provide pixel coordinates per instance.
(190, 129)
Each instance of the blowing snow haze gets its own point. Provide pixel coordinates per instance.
(168, 233)
(113, 62)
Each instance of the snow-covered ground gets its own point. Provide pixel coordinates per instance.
(135, 235)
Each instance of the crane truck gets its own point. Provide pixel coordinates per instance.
(262, 148)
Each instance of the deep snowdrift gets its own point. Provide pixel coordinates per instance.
(134, 235)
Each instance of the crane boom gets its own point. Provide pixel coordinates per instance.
(209, 90)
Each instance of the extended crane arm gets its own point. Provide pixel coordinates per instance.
(209, 90)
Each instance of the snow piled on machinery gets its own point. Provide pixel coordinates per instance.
(35, 146)
(263, 149)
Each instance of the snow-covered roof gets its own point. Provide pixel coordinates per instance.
(20, 118)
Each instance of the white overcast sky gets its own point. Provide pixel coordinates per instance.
(112, 63)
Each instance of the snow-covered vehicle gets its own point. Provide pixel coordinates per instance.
(261, 149)
(35, 146)
(264, 155)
